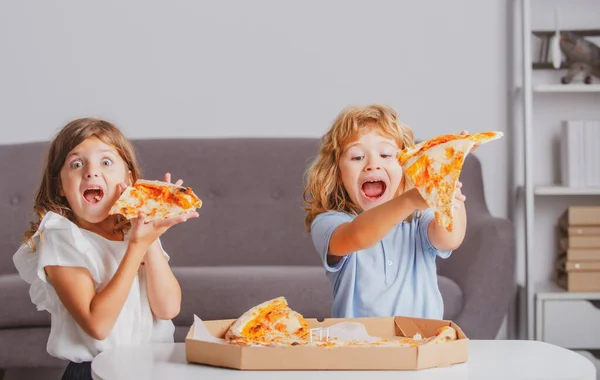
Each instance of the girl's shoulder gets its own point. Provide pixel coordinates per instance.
(57, 241)
(54, 221)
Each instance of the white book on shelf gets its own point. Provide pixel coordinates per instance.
(572, 155)
(588, 152)
(581, 161)
(596, 149)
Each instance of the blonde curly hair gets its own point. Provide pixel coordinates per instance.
(48, 196)
(324, 189)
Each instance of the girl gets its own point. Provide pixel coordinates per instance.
(375, 236)
(105, 281)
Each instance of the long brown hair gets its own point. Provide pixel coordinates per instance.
(324, 189)
(48, 196)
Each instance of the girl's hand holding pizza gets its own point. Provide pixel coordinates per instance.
(146, 233)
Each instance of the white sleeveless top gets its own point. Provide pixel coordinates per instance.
(59, 241)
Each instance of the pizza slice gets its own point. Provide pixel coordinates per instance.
(434, 166)
(156, 200)
(272, 323)
(442, 335)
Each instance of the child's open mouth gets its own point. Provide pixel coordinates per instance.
(373, 189)
(93, 195)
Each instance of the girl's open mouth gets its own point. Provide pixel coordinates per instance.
(94, 195)
(374, 189)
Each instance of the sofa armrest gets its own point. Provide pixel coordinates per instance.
(484, 268)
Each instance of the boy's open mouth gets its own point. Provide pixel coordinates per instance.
(374, 188)
(93, 195)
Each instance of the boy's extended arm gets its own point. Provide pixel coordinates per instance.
(372, 225)
(164, 292)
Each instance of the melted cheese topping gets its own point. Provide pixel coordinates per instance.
(271, 323)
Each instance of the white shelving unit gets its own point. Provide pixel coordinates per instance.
(531, 196)
(561, 88)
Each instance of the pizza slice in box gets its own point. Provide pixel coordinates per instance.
(156, 200)
(434, 166)
(272, 323)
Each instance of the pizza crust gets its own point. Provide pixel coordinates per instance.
(433, 167)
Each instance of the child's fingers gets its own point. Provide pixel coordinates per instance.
(171, 221)
(179, 182)
(141, 218)
(168, 177)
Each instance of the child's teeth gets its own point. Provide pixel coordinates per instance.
(97, 197)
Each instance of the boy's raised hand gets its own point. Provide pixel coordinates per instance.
(459, 196)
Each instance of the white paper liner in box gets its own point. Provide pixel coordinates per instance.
(201, 332)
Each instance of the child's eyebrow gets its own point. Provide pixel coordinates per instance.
(76, 153)
(350, 145)
(393, 145)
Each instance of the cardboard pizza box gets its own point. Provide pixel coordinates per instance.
(211, 351)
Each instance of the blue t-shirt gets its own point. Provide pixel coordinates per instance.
(395, 277)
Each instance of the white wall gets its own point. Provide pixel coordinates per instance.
(256, 68)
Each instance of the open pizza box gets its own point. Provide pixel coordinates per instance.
(204, 345)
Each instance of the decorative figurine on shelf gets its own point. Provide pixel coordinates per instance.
(582, 56)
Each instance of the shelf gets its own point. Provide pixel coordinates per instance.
(563, 190)
(550, 291)
(580, 32)
(573, 87)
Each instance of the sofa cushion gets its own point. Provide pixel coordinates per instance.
(452, 296)
(26, 348)
(17, 309)
(227, 292)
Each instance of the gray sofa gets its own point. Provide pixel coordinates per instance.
(249, 243)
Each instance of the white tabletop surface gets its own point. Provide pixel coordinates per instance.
(488, 359)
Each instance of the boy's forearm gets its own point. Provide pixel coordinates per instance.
(164, 291)
(373, 225)
(444, 240)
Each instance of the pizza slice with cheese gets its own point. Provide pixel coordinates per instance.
(156, 200)
(272, 323)
(434, 166)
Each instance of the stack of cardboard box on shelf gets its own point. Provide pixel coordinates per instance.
(578, 263)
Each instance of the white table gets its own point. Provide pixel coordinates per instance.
(488, 359)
